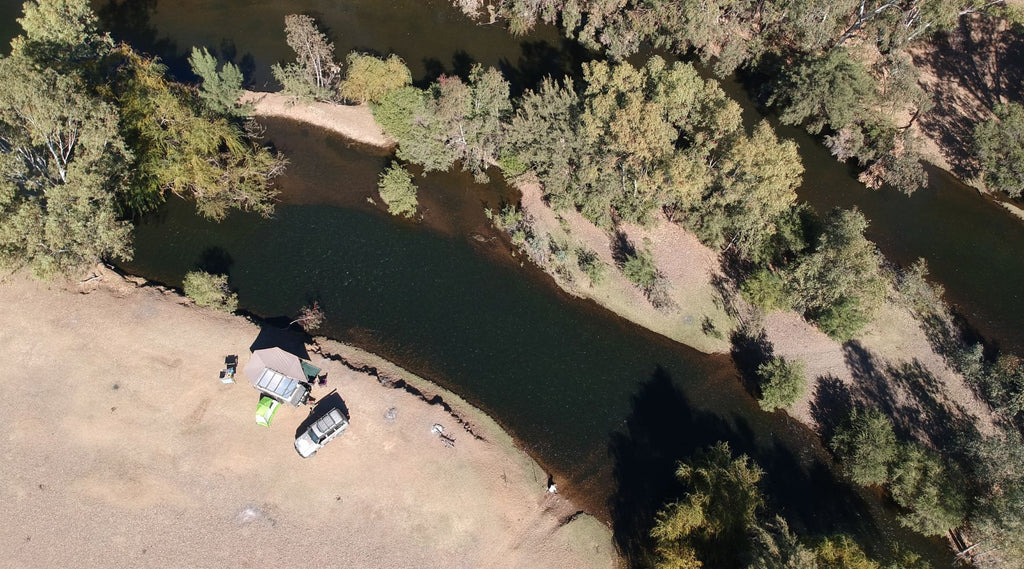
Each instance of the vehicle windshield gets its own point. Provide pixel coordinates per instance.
(313, 437)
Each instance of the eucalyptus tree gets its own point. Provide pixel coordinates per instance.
(314, 74)
(63, 165)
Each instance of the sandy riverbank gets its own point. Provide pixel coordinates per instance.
(351, 121)
(122, 449)
(874, 364)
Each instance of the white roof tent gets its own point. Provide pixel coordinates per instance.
(280, 375)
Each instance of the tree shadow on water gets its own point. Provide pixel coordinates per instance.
(663, 428)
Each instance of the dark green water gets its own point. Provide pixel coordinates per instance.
(605, 405)
(972, 246)
(608, 406)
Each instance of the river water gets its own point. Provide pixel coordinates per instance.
(971, 244)
(604, 404)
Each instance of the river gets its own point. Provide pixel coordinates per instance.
(604, 404)
(971, 244)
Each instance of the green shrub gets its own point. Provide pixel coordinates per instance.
(842, 320)
(766, 289)
(210, 291)
(866, 446)
(398, 191)
(591, 264)
(641, 270)
(370, 79)
(782, 383)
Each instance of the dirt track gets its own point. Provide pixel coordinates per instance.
(122, 449)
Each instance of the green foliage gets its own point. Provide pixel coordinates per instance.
(639, 267)
(866, 445)
(210, 291)
(710, 522)
(591, 264)
(59, 33)
(842, 319)
(219, 90)
(451, 121)
(398, 191)
(782, 383)
(840, 284)
(296, 85)
(776, 547)
(753, 193)
(841, 552)
(63, 165)
(91, 132)
(314, 73)
(175, 149)
(765, 289)
(920, 296)
(928, 490)
(832, 90)
(998, 517)
(999, 145)
(543, 136)
(369, 79)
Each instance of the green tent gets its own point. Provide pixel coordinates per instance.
(266, 410)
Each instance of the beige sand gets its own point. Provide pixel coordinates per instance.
(120, 448)
(352, 121)
(688, 267)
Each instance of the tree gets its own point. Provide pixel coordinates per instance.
(841, 552)
(832, 90)
(314, 74)
(450, 121)
(405, 116)
(175, 149)
(710, 522)
(219, 90)
(311, 317)
(543, 135)
(398, 191)
(62, 166)
(58, 31)
(839, 284)
(776, 547)
(753, 191)
(928, 490)
(866, 446)
(765, 289)
(590, 263)
(999, 146)
(782, 383)
(640, 268)
(998, 516)
(210, 291)
(369, 79)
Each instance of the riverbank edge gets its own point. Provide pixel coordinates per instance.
(616, 293)
(690, 269)
(388, 375)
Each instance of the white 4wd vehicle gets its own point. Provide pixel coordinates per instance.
(330, 425)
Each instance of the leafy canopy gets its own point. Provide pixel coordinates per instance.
(398, 191)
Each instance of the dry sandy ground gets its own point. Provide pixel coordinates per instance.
(687, 265)
(966, 72)
(352, 121)
(869, 369)
(120, 448)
